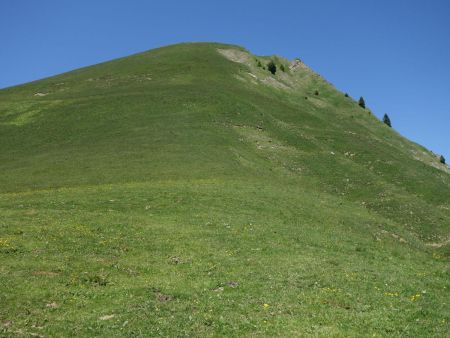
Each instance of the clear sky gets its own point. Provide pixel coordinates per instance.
(394, 53)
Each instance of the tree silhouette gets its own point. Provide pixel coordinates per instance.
(272, 67)
(361, 102)
(387, 120)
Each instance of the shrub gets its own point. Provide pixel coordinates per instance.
(442, 159)
(316, 92)
(272, 67)
(361, 102)
(282, 68)
(259, 64)
(346, 95)
(387, 120)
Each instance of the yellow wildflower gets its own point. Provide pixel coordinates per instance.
(4, 242)
(391, 294)
(415, 297)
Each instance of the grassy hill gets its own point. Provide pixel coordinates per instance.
(186, 191)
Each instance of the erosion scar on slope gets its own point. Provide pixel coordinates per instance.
(234, 55)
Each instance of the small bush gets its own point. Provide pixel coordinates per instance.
(442, 159)
(259, 64)
(362, 103)
(316, 92)
(282, 68)
(272, 67)
(346, 95)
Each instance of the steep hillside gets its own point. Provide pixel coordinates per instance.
(188, 191)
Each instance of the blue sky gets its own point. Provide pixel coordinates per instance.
(394, 53)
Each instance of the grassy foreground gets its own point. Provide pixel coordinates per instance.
(185, 191)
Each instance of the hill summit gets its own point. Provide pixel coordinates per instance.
(197, 189)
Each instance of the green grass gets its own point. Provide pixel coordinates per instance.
(179, 193)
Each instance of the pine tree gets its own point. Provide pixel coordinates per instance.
(361, 102)
(387, 120)
(442, 159)
(272, 67)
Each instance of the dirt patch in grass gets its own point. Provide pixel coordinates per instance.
(52, 305)
(275, 83)
(235, 55)
(439, 244)
(161, 297)
(107, 317)
(45, 273)
(175, 260)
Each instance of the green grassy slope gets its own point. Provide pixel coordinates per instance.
(187, 191)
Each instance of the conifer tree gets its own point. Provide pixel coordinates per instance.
(361, 102)
(272, 67)
(442, 159)
(387, 120)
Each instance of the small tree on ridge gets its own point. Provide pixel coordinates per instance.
(361, 102)
(272, 67)
(387, 120)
